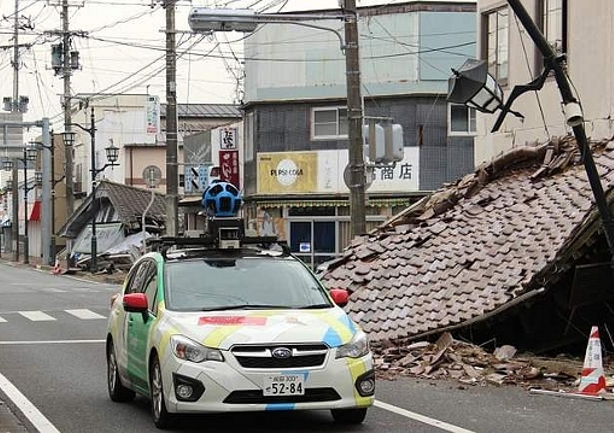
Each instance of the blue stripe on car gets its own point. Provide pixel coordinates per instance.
(280, 406)
(332, 338)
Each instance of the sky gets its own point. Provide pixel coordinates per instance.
(122, 50)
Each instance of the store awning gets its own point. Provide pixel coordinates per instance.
(375, 202)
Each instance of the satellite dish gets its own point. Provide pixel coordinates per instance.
(152, 176)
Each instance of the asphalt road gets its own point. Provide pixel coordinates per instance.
(51, 350)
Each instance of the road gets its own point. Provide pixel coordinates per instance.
(52, 331)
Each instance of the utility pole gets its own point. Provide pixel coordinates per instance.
(172, 175)
(15, 109)
(355, 121)
(68, 150)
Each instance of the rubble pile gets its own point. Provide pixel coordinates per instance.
(470, 364)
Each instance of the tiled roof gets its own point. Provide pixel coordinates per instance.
(212, 111)
(469, 250)
(130, 202)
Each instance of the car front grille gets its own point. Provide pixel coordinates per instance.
(256, 397)
(262, 356)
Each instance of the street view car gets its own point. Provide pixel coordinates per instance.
(225, 323)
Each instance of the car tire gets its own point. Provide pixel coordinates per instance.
(349, 416)
(117, 391)
(161, 418)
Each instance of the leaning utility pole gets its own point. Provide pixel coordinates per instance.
(66, 71)
(355, 121)
(172, 176)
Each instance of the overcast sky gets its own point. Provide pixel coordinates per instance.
(124, 50)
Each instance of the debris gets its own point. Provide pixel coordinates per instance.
(505, 353)
(472, 365)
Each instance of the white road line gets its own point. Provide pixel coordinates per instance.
(2, 320)
(38, 420)
(421, 418)
(37, 316)
(52, 290)
(85, 314)
(25, 342)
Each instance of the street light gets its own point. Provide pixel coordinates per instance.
(112, 153)
(203, 20)
(473, 86)
(470, 81)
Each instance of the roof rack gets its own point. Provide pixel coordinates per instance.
(221, 234)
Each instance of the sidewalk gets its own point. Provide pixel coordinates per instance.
(9, 422)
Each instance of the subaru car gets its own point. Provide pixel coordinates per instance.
(209, 329)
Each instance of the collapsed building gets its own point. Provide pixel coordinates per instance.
(511, 254)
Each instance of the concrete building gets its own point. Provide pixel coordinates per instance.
(295, 121)
(580, 29)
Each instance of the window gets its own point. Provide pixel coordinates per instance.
(462, 120)
(249, 136)
(553, 23)
(329, 123)
(496, 50)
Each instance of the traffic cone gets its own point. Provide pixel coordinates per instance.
(593, 377)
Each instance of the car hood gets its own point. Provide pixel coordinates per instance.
(224, 329)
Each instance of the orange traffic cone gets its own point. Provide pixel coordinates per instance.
(593, 378)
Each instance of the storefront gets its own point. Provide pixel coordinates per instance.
(302, 198)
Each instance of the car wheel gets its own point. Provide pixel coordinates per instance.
(161, 418)
(349, 416)
(117, 391)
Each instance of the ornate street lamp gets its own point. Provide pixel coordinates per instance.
(7, 164)
(473, 86)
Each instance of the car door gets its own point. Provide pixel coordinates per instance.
(138, 327)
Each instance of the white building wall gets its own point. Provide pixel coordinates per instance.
(590, 50)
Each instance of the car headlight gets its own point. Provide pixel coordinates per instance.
(190, 350)
(356, 348)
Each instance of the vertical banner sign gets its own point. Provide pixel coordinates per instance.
(228, 138)
(229, 167)
(153, 115)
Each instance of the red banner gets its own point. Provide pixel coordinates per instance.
(229, 167)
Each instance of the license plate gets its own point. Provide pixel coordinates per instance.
(284, 384)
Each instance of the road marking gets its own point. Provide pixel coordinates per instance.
(37, 316)
(38, 420)
(2, 320)
(52, 290)
(25, 342)
(85, 314)
(421, 418)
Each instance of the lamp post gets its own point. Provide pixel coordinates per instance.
(203, 20)
(112, 153)
(472, 80)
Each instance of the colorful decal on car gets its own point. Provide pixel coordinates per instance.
(339, 332)
(357, 368)
(232, 320)
(280, 406)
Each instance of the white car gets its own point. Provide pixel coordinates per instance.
(206, 329)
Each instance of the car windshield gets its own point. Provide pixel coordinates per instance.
(212, 284)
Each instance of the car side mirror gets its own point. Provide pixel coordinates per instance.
(340, 296)
(135, 303)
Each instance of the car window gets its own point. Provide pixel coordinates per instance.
(151, 288)
(245, 281)
(135, 280)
